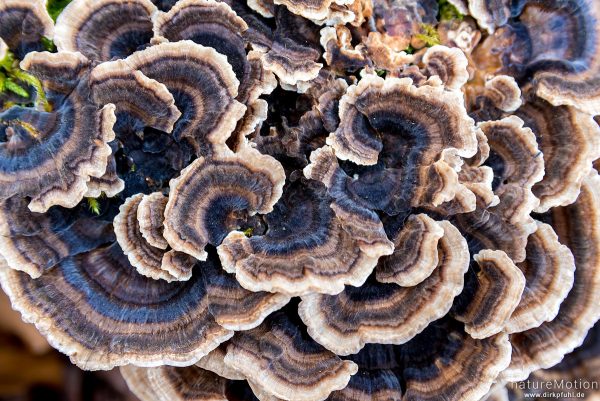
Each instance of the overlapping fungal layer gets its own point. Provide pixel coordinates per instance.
(50, 156)
(216, 195)
(562, 61)
(24, 24)
(199, 163)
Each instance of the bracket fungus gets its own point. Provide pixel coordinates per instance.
(50, 156)
(214, 196)
(305, 200)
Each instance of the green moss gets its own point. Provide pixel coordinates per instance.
(93, 205)
(409, 50)
(429, 35)
(14, 79)
(448, 12)
(248, 232)
(48, 44)
(381, 73)
(55, 7)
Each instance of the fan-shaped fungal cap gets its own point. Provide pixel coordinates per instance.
(209, 111)
(206, 197)
(570, 141)
(379, 104)
(517, 165)
(415, 252)
(304, 250)
(555, 45)
(487, 230)
(497, 293)
(214, 24)
(34, 243)
(150, 217)
(387, 313)
(544, 346)
(312, 9)
(282, 360)
(449, 64)
(339, 53)
(24, 24)
(294, 52)
(360, 221)
(169, 383)
(50, 156)
(109, 183)
(115, 315)
(234, 307)
(215, 362)
(574, 79)
(146, 258)
(549, 269)
(490, 14)
(104, 29)
(499, 95)
(446, 363)
(134, 94)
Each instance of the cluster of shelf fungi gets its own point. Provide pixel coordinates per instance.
(307, 199)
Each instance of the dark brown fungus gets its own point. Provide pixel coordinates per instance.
(517, 165)
(169, 383)
(304, 250)
(150, 217)
(24, 24)
(104, 29)
(294, 52)
(378, 377)
(415, 252)
(488, 230)
(499, 289)
(215, 362)
(499, 95)
(364, 106)
(116, 316)
(548, 268)
(316, 10)
(281, 359)
(109, 184)
(553, 44)
(214, 24)
(446, 363)
(449, 64)
(357, 218)
(50, 156)
(490, 14)
(340, 55)
(544, 346)
(146, 258)
(570, 141)
(234, 307)
(210, 197)
(209, 112)
(387, 313)
(34, 242)
(266, 8)
(134, 94)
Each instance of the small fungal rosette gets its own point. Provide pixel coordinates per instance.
(209, 112)
(305, 249)
(219, 194)
(106, 29)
